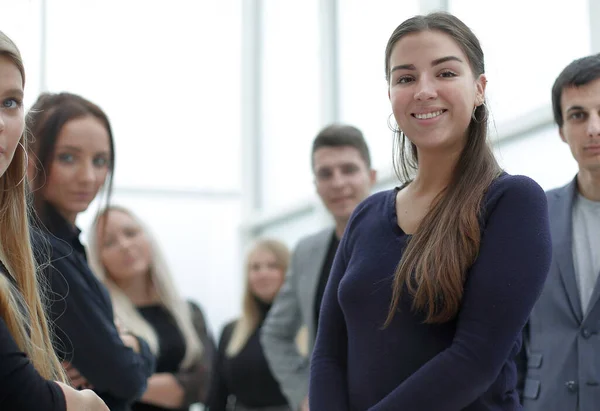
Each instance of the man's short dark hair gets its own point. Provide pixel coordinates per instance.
(579, 73)
(342, 135)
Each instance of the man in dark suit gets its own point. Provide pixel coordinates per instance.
(562, 339)
(343, 178)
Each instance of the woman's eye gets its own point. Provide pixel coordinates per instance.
(131, 233)
(579, 115)
(447, 74)
(11, 103)
(108, 243)
(66, 158)
(404, 80)
(100, 162)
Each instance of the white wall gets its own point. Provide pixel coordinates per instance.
(526, 45)
(540, 155)
(169, 75)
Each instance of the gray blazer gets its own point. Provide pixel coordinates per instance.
(293, 308)
(562, 342)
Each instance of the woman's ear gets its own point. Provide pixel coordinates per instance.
(480, 84)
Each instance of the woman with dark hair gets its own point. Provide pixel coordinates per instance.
(433, 281)
(31, 377)
(73, 143)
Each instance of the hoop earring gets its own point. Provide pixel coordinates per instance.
(26, 165)
(396, 128)
(483, 118)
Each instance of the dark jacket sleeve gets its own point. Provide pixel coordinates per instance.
(195, 379)
(87, 336)
(219, 391)
(21, 387)
(521, 361)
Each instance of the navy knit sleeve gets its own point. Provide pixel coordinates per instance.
(21, 386)
(328, 388)
(501, 289)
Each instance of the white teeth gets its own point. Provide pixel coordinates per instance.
(428, 115)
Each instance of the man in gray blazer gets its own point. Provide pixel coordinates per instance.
(562, 339)
(343, 178)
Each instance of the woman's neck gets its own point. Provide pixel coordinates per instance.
(139, 290)
(69, 216)
(263, 306)
(434, 172)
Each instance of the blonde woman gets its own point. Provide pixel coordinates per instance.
(127, 259)
(28, 364)
(242, 379)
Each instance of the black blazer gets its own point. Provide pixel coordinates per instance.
(81, 312)
(21, 386)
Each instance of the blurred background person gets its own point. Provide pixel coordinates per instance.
(343, 177)
(562, 366)
(242, 379)
(126, 257)
(70, 161)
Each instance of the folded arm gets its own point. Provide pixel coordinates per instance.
(82, 319)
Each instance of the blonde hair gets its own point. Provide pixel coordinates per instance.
(251, 315)
(20, 303)
(161, 279)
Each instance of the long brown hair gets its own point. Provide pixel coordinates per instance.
(20, 303)
(436, 259)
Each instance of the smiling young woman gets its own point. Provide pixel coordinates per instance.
(434, 280)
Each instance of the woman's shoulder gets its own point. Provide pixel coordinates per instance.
(226, 333)
(374, 206)
(195, 308)
(515, 182)
(515, 191)
(378, 198)
(228, 328)
(197, 316)
(46, 245)
(39, 238)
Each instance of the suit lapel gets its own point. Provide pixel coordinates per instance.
(562, 235)
(314, 259)
(593, 299)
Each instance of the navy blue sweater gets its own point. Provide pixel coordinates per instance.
(464, 364)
